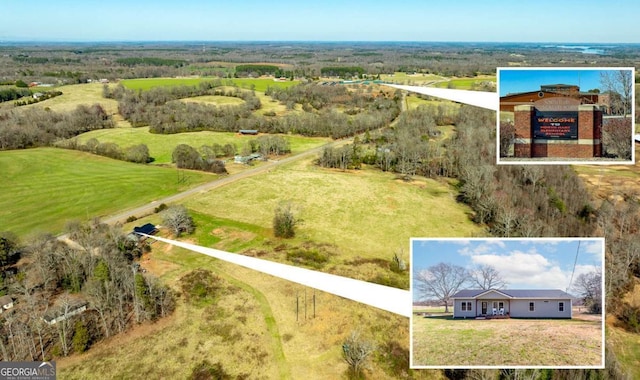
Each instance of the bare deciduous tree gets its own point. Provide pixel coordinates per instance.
(355, 351)
(589, 287)
(487, 277)
(619, 85)
(441, 281)
(178, 220)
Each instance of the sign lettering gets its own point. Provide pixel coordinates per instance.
(555, 125)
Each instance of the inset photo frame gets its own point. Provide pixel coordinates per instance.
(566, 115)
(507, 303)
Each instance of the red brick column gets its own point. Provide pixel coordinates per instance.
(523, 115)
(590, 130)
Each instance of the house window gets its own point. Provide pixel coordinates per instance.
(466, 306)
(560, 306)
(532, 306)
(501, 305)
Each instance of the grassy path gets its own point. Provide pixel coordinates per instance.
(269, 319)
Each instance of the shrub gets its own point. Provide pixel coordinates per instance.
(284, 221)
(200, 286)
(205, 371)
(356, 351)
(309, 257)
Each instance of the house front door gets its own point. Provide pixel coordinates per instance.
(484, 308)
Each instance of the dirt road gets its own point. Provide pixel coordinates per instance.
(149, 208)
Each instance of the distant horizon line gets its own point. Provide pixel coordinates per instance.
(63, 41)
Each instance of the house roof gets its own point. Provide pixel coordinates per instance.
(514, 293)
(5, 300)
(147, 229)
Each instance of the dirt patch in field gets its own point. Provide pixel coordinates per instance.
(232, 234)
(612, 182)
(156, 267)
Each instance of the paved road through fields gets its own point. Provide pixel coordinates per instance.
(149, 208)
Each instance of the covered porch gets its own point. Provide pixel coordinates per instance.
(492, 308)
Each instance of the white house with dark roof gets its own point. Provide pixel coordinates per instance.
(515, 303)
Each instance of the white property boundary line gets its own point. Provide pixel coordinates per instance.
(488, 100)
(395, 300)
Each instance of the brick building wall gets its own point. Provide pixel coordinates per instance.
(587, 145)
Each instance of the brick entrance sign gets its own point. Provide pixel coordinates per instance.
(558, 127)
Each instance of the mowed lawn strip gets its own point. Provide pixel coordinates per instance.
(259, 84)
(442, 341)
(161, 146)
(41, 189)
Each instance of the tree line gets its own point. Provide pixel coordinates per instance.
(259, 70)
(38, 127)
(159, 109)
(346, 72)
(37, 98)
(98, 269)
(138, 153)
(150, 61)
(207, 157)
(10, 93)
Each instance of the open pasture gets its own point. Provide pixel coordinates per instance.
(414, 79)
(443, 341)
(363, 213)
(216, 100)
(41, 189)
(465, 83)
(259, 84)
(76, 94)
(161, 146)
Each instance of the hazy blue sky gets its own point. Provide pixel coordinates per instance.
(331, 20)
(511, 81)
(525, 264)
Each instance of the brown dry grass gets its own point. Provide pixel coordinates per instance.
(506, 342)
(611, 181)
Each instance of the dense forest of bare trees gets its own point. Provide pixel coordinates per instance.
(56, 280)
(77, 63)
(160, 109)
(42, 127)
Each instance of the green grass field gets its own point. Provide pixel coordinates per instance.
(161, 146)
(465, 83)
(41, 189)
(443, 341)
(363, 213)
(417, 79)
(74, 95)
(260, 84)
